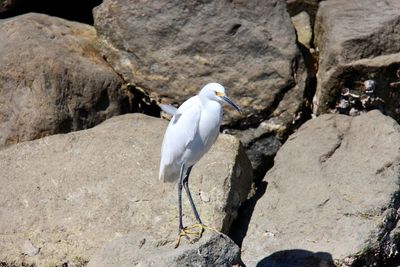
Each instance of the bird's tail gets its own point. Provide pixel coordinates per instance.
(168, 174)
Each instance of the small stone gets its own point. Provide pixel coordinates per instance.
(343, 104)
(354, 112)
(29, 249)
(369, 86)
(204, 196)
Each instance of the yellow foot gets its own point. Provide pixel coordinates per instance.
(202, 228)
(187, 232)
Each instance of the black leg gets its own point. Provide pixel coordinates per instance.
(180, 197)
(186, 186)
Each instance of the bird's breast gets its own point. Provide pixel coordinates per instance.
(209, 125)
(208, 130)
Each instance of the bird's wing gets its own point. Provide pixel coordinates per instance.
(181, 131)
(187, 119)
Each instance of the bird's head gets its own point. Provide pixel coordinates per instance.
(216, 92)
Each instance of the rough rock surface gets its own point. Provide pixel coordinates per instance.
(140, 249)
(52, 78)
(302, 24)
(70, 194)
(173, 48)
(332, 194)
(358, 41)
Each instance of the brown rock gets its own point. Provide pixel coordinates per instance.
(52, 78)
(358, 41)
(173, 48)
(301, 23)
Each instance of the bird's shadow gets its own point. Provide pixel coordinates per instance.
(297, 258)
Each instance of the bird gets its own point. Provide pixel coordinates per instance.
(192, 130)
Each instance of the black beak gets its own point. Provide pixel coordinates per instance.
(231, 103)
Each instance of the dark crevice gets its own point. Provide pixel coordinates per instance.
(66, 125)
(135, 99)
(311, 63)
(75, 10)
(140, 102)
(262, 149)
(351, 89)
(81, 120)
(261, 152)
(241, 224)
(234, 29)
(103, 102)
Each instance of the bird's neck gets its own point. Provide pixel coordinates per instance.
(211, 106)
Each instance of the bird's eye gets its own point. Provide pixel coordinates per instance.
(219, 93)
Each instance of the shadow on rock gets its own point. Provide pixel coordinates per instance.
(241, 224)
(297, 258)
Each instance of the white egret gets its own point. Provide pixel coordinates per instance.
(191, 132)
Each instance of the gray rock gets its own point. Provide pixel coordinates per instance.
(52, 78)
(141, 249)
(358, 41)
(71, 194)
(332, 195)
(173, 48)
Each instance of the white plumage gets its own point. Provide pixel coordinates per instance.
(192, 131)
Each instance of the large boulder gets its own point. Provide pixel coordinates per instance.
(358, 42)
(65, 196)
(332, 196)
(173, 48)
(52, 79)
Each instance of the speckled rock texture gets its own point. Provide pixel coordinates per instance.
(332, 195)
(70, 194)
